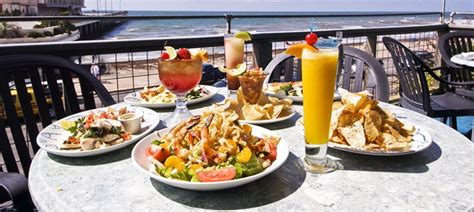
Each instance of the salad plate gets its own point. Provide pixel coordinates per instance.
(53, 138)
(289, 90)
(202, 93)
(142, 162)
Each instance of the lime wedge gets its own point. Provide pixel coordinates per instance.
(244, 36)
(171, 51)
(239, 70)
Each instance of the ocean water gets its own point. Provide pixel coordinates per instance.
(193, 27)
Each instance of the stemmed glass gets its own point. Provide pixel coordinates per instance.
(179, 77)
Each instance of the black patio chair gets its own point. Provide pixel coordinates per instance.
(414, 92)
(30, 95)
(364, 72)
(451, 44)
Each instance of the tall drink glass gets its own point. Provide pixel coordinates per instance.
(234, 55)
(319, 77)
(179, 77)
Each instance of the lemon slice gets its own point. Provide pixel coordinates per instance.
(171, 51)
(244, 36)
(223, 69)
(239, 70)
(297, 49)
(66, 124)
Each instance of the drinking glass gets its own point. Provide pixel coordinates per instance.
(179, 77)
(234, 55)
(319, 77)
(252, 87)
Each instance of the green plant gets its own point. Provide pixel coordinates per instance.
(10, 31)
(48, 34)
(35, 35)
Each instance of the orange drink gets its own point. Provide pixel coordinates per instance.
(319, 77)
(319, 67)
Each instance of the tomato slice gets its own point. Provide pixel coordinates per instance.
(217, 175)
(273, 152)
(157, 152)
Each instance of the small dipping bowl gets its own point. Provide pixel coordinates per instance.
(132, 122)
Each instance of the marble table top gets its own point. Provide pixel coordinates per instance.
(439, 178)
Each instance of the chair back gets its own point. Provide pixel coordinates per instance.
(411, 75)
(364, 72)
(453, 43)
(36, 90)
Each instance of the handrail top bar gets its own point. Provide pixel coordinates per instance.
(227, 15)
(74, 48)
(454, 13)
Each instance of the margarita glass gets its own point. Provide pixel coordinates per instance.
(179, 77)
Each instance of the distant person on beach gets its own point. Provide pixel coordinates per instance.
(95, 71)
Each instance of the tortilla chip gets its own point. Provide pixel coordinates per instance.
(250, 113)
(372, 125)
(354, 135)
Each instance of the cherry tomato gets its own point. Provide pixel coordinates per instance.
(273, 152)
(217, 175)
(311, 38)
(165, 56)
(157, 152)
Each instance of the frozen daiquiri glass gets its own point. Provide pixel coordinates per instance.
(180, 72)
(234, 56)
(319, 67)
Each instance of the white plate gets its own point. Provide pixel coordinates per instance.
(464, 59)
(420, 141)
(298, 99)
(141, 162)
(53, 135)
(269, 121)
(134, 99)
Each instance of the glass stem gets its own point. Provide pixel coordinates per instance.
(181, 102)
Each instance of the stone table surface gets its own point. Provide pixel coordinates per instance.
(439, 178)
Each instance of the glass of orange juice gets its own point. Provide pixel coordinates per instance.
(319, 77)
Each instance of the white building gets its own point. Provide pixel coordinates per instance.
(41, 7)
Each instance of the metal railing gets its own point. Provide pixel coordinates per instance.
(457, 13)
(228, 17)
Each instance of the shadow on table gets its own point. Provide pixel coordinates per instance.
(271, 188)
(109, 157)
(414, 163)
(284, 124)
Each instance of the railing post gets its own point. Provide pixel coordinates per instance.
(372, 44)
(228, 19)
(443, 10)
(262, 52)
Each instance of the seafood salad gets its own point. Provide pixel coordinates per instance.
(95, 131)
(161, 95)
(286, 88)
(211, 147)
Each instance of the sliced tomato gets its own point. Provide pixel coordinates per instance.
(272, 155)
(217, 175)
(157, 152)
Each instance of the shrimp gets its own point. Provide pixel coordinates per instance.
(208, 153)
(178, 133)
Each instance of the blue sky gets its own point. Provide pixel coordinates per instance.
(286, 5)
